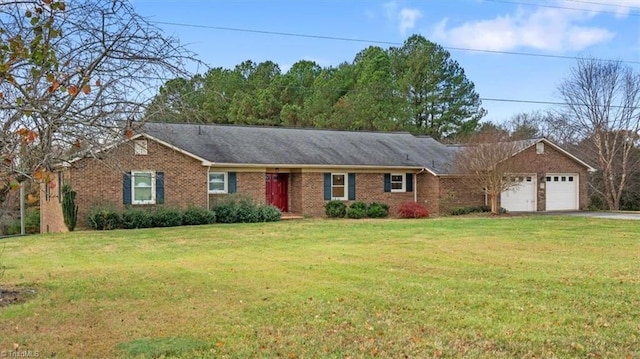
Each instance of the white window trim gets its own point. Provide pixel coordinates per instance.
(346, 186)
(226, 182)
(140, 147)
(404, 182)
(153, 187)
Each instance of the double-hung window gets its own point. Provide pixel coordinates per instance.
(143, 186)
(398, 182)
(218, 182)
(339, 186)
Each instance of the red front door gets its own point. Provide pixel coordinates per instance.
(276, 189)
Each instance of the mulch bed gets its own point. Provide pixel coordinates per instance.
(10, 296)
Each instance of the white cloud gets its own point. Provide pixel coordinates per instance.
(403, 17)
(546, 29)
(407, 18)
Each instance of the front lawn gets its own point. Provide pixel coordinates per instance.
(526, 287)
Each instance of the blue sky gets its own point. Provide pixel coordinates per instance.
(607, 29)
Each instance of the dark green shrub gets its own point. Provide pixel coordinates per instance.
(226, 212)
(195, 216)
(247, 212)
(472, 209)
(13, 227)
(356, 212)
(596, 203)
(167, 217)
(103, 218)
(358, 205)
(137, 218)
(32, 221)
(69, 207)
(268, 213)
(335, 209)
(377, 210)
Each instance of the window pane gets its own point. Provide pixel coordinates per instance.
(142, 194)
(338, 192)
(396, 178)
(216, 182)
(396, 185)
(338, 180)
(142, 180)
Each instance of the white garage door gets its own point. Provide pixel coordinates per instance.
(521, 198)
(562, 192)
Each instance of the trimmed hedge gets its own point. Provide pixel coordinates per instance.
(335, 209)
(196, 216)
(377, 210)
(104, 218)
(136, 218)
(357, 210)
(471, 209)
(244, 210)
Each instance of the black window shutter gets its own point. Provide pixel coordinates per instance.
(387, 182)
(409, 178)
(327, 186)
(159, 187)
(232, 186)
(126, 188)
(352, 186)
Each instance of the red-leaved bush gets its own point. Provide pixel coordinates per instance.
(412, 210)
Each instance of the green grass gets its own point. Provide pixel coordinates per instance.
(526, 287)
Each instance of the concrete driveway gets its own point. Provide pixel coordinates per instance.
(611, 215)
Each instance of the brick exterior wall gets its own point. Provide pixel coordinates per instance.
(249, 184)
(295, 192)
(51, 219)
(428, 187)
(455, 193)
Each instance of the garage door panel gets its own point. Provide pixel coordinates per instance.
(561, 192)
(521, 198)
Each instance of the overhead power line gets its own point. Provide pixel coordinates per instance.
(337, 38)
(604, 4)
(538, 4)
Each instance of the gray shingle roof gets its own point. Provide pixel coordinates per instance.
(297, 146)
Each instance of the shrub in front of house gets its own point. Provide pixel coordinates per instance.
(136, 218)
(196, 216)
(412, 210)
(357, 210)
(335, 209)
(247, 212)
(104, 218)
(31, 223)
(244, 210)
(471, 209)
(377, 210)
(226, 212)
(268, 213)
(167, 217)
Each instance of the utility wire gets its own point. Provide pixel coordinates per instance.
(336, 38)
(604, 4)
(567, 8)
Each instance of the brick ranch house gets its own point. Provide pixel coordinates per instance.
(298, 170)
